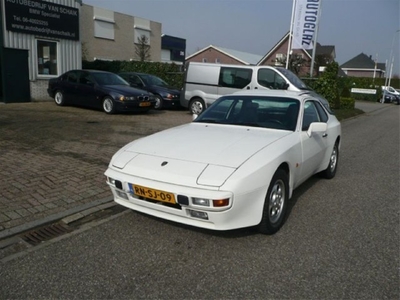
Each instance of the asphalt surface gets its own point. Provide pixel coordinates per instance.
(52, 159)
(340, 241)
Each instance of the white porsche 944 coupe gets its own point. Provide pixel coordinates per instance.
(236, 165)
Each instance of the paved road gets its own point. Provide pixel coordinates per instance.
(53, 158)
(341, 241)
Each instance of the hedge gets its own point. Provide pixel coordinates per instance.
(170, 72)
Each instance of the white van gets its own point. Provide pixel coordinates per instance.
(206, 82)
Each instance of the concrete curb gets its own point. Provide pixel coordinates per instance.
(68, 216)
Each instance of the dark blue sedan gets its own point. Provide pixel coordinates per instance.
(98, 89)
(165, 95)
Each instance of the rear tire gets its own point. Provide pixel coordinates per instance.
(59, 98)
(108, 105)
(197, 106)
(275, 204)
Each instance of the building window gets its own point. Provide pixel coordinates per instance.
(104, 29)
(204, 60)
(217, 60)
(47, 57)
(280, 58)
(103, 23)
(142, 36)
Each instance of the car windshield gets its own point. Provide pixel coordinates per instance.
(256, 111)
(153, 80)
(296, 81)
(109, 79)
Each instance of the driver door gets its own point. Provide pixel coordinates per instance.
(314, 146)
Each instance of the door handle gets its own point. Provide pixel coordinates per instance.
(325, 135)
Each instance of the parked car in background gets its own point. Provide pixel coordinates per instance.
(98, 89)
(390, 95)
(165, 95)
(206, 82)
(236, 165)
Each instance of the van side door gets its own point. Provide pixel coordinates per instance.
(232, 79)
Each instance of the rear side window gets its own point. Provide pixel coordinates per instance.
(313, 112)
(322, 113)
(237, 78)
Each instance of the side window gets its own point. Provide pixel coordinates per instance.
(72, 77)
(84, 78)
(270, 79)
(310, 114)
(135, 80)
(237, 78)
(323, 116)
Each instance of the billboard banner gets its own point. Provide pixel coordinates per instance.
(305, 23)
(42, 18)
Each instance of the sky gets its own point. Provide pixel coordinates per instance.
(371, 27)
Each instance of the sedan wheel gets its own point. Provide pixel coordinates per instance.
(108, 105)
(197, 106)
(59, 98)
(159, 102)
(275, 204)
(330, 171)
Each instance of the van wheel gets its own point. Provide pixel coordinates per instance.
(196, 106)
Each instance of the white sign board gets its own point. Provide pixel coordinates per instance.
(363, 91)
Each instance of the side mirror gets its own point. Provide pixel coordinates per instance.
(317, 127)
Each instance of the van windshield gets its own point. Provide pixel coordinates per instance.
(296, 81)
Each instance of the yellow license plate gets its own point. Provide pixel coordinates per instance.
(144, 104)
(153, 194)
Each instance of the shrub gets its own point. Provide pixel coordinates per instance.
(327, 85)
(347, 103)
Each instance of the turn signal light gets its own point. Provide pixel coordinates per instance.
(221, 202)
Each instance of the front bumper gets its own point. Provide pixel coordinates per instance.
(168, 103)
(134, 105)
(238, 214)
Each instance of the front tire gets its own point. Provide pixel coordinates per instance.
(108, 105)
(159, 102)
(59, 98)
(330, 171)
(275, 205)
(197, 106)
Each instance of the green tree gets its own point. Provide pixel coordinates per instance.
(142, 48)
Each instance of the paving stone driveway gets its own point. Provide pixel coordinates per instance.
(53, 158)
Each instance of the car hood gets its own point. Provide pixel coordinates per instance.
(194, 154)
(124, 90)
